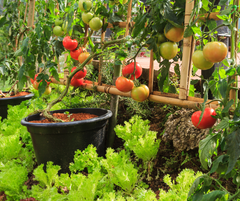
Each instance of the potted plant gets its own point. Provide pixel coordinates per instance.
(12, 29)
(58, 140)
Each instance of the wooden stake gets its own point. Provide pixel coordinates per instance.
(151, 73)
(188, 48)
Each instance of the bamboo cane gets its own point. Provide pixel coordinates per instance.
(233, 95)
(128, 17)
(188, 48)
(151, 73)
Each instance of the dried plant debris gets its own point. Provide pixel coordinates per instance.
(180, 130)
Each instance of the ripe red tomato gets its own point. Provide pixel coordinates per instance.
(124, 84)
(75, 53)
(140, 93)
(128, 70)
(77, 82)
(80, 74)
(215, 51)
(200, 62)
(174, 34)
(83, 56)
(207, 120)
(70, 44)
(168, 50)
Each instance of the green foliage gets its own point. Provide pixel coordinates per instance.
(120, 170)
(87, 158)
(178, 191)
(138, 138)
(12, 179)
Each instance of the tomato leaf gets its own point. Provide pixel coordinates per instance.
(139, 24)
(233, 148)
(188, 32)
(204, 182)
(223, 124)
(222, 87)
(228, 106)
(216, 162)
(211, 24)
(222, 2)
(207, 147)
(164, 71)
(171, 17)
(213, 195)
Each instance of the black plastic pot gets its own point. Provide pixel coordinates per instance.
(4, 102)
(57, 142)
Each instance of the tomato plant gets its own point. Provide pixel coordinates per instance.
(95, 23)
(77, 82)
(140, 93)
(75, 53)
(215, 51)
(80, 74)
(168, 50)
(124, 84)
(128, 70)
(70, 44)
(200, 62)
(86, 17)
(83, 56)
(207, 120)
(85, 5)
(174, 34)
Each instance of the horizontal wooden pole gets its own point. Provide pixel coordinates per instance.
(158, 97)
(211, 16)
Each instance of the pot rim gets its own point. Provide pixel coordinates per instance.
(31, 94)
(106, 116)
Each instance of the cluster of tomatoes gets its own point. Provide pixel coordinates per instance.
(125, 82)
(80, 54)
(60, 28)
(36, 83)
(167, 42)
(94, 22)
(212, 52)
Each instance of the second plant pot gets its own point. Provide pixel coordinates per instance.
(14, 100)
(57, 142)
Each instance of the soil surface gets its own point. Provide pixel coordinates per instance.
(68, 117)
(22, 93)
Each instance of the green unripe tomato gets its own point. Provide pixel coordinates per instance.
(57, 31)
(95, 23)
(86, 17)
(88, 5)
(58, 22)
